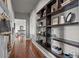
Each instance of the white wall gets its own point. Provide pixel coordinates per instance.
(33, 18)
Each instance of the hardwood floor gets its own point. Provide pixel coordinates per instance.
(25, 49)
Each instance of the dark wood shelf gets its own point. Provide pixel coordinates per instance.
(58, 25)
(62, 9)
(66, 24)
(41, 35)
(73, 43)
(41, 18)
(65, 8)
(41, 26)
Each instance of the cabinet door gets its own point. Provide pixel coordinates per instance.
(1, 47)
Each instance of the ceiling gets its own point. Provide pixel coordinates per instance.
(24, 6)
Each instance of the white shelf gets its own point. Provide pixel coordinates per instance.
(5, 33)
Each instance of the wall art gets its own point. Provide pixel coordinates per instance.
(69, 17)
(55, 21)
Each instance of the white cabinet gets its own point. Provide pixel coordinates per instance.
(3, 47)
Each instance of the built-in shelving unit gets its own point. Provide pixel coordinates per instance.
(62, 9)
(76, 44)
(46, 14)
(5, 28)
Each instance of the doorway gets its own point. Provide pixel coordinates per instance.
(20, 27)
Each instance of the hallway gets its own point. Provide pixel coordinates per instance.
(23, 49)
(39, 29)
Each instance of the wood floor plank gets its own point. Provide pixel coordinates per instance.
(24, 49)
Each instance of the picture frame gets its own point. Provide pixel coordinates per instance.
(55, 20)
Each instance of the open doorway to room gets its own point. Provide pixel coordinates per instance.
(20, 27)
